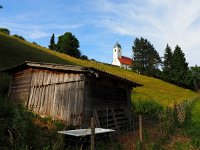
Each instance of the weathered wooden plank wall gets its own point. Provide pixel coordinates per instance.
(56, 94)
(20, 86)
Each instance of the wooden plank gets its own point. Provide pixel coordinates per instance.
(115, 119)
(96, 118)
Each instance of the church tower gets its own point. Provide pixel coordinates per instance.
(116, 54)
(119, 60)
(117, 51)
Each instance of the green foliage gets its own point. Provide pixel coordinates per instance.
(145, 134)
(155, 146)
(195, 74)
(181, 146)
(167, 64)
(138, 145)
(68, 44)
(5, 31)
(84, 57)
(18, 131)
(52, 45)
(195, 142)
(19, 36)
(147, 107)
(146, 58)
(192, 127)
(179, 67)
(176, 70)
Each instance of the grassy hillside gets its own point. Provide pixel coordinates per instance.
(14, 51)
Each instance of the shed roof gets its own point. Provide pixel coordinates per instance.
(68, 68)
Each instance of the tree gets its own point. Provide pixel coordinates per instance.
(195, 73)
(52, 43)
(4, 30)
(146, 58)
(167, 63)
(68, 44)
(84, 57)
(180, 70)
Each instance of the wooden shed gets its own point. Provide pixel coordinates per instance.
(73, 94)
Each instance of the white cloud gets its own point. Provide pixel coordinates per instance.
(35, 31)
(36, 34)
(160, 21)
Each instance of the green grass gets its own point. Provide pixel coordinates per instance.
(15, 51)
(192, 129)
(181, 146)
(188, 136)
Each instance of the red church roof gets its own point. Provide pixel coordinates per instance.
(126, 60)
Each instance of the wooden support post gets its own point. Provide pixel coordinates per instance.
(107, 117)
(92, 134)
(140, 127)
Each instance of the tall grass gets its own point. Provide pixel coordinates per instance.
(19, 131)
(192, 128)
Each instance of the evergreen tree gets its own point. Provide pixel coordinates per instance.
(195, 73)
(68, 44)
(180, 70)
(167, 63)
(146, 58)
(52, 43)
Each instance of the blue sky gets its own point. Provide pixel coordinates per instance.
(98, 24)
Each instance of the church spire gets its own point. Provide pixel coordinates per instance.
(117, 45)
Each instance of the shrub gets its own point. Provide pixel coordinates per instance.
(195, 142)
(147, 107)
(19, 131)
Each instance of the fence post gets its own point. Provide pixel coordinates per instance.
(176, 122)
(140, 127)
(92, 134)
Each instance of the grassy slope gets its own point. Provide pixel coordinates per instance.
(188, 136)
(193, 127)
(14, 51)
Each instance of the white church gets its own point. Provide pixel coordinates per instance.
(119, 60)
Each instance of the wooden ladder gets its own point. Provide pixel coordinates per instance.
(111, 118)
